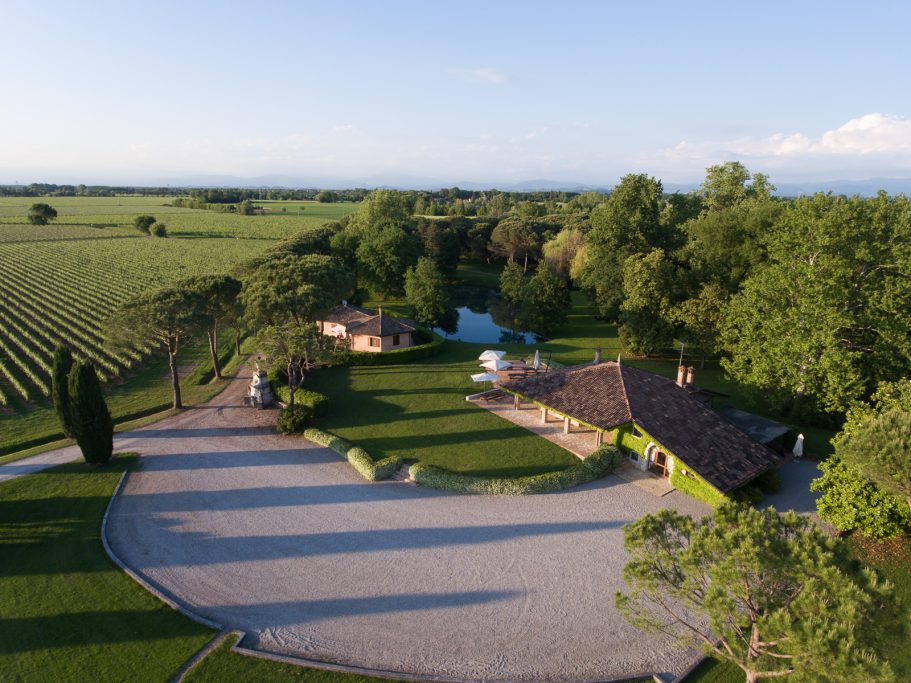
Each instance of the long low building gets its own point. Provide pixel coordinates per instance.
(664, 426)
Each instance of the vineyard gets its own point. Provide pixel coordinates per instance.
(60, 282)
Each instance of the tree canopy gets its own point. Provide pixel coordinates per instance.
(41, 213)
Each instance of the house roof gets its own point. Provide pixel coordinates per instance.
(380, 326)
(609, 394)
(346, 313)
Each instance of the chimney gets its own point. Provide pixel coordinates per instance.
(690, 371)
(597, 355)
(681, 373)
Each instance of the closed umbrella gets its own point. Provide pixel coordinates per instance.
(798, 447)
(496, 365)
(537, 362)
(492, 355)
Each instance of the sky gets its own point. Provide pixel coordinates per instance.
(497, 92)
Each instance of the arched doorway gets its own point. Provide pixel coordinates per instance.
(658, 460)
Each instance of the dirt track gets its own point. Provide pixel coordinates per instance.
(282, 539)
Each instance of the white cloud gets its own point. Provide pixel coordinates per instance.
(486, 75)
(873, 143)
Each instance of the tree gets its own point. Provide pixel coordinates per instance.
(245, 208)
(880, 448)
(726, 185)
(60, 392)
(294, 347)
(829, 316)
(41, 214)
(628, 223)
(441, 243)
(382, 209)
(159, 230)
(513, 285)
(144, 224)
(383, 256)
(326, 197)
(169, 315)
(219, 295)
(648, 291)
(294, 289)
(700, 319)
(90, 419)
(562, 249)
(770, 593)
(426, 293)
(514, 239)
(547, 302)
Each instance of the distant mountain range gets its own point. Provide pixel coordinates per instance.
(866, 187)
(788, 189)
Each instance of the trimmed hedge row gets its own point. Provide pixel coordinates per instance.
(317, 403)
(367, 467)
(600, 463)
(352, 358)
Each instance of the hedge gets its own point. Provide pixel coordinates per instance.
(367, 467)
(600, 463)
(317, 402)
(351, 358)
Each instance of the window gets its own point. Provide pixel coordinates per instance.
(634, 456)
(395, 340)
(374, 341)
(636, 433)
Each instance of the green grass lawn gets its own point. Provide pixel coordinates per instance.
(67, 613)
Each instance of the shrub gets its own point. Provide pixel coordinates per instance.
(749, 494)
(317, 402)
(360, 460)
(352, 358)
(769, 481)
(144, 223)
(600, 463)
(60, 390)
(159, 230)
(294, 419)
(850, 502)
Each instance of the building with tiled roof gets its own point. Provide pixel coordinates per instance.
(665, 426)
(362, 329)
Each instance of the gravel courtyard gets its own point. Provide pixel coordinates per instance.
(282, 539)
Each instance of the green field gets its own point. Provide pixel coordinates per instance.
(62, 281)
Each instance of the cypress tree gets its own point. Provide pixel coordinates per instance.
(60, 392)
(91, 421)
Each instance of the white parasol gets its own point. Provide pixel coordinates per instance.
(536, 364)
(798, 447)
(492, 355)
(496, 365)
(337, 329)
(484, 377)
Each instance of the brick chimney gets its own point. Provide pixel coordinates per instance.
(681, 374)
(690, 371)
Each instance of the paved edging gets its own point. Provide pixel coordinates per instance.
(202, 653)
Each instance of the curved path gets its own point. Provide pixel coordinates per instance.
(282, 539)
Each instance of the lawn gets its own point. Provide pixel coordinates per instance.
(67, 613)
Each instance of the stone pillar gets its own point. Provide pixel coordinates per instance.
(566, 425)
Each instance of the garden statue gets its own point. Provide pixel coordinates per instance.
(260, 394)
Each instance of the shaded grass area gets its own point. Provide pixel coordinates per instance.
(147, 391)
(418, 411)
(224, 665)
(67, 613)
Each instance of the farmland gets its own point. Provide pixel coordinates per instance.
(60, 282)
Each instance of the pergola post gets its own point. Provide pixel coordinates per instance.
(515, 403)
(543, 415)
(566, 425)
(599, 437)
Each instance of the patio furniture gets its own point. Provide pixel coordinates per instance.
(495, 395)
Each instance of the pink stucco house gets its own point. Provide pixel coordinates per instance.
(361, 329)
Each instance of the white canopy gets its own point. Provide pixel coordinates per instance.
(537, 362)
(798, 446)
(496, 365)
(492, 355)
(484, 377)
(337, 329)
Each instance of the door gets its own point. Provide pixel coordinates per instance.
(660, 463)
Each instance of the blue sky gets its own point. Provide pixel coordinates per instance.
(491, 91)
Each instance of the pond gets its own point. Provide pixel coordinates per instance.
(483, 318)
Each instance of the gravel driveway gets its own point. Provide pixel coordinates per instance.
(282, 539)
